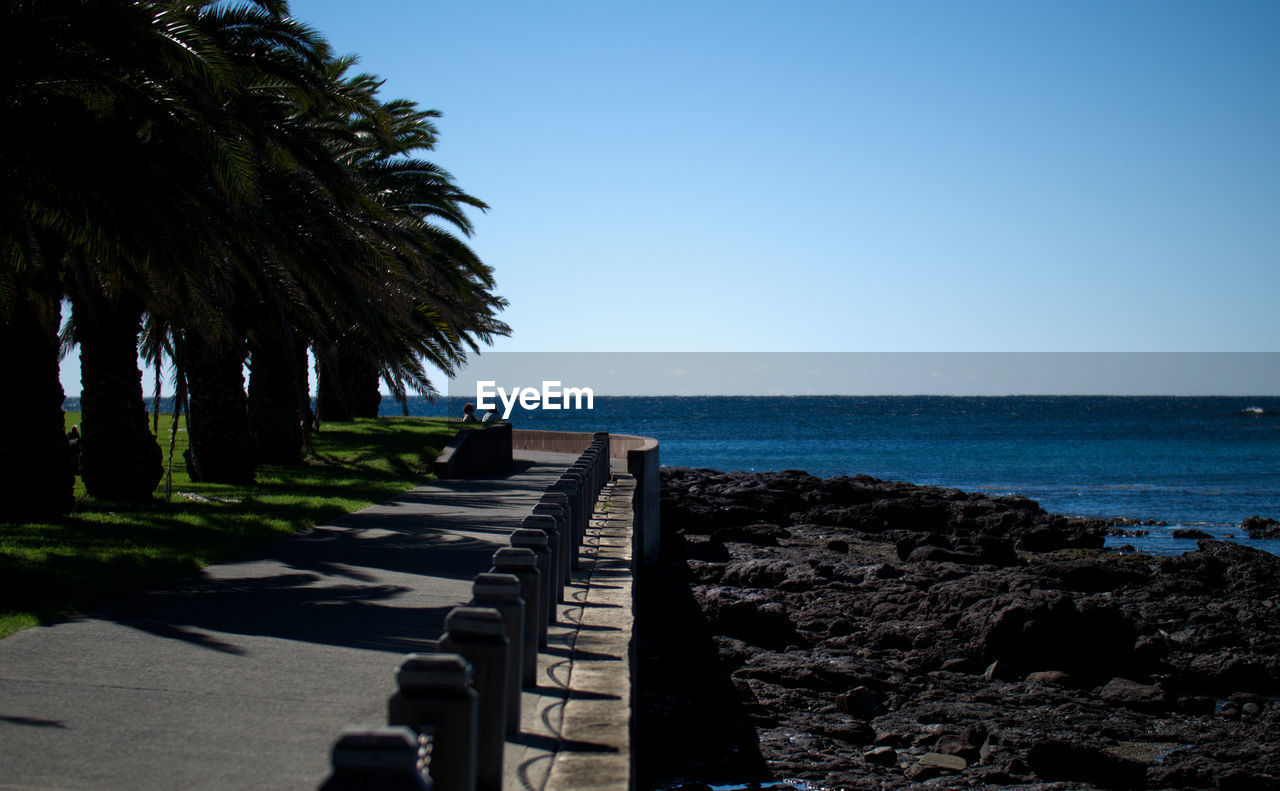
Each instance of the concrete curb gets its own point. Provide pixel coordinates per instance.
(576, 726)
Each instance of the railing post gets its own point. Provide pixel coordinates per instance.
(501, 591)
(480, 636)
(535, 540)
(556, 504)
(601, 440)
(523, 564)
(377, 759)
(573, 483)
(435, 697)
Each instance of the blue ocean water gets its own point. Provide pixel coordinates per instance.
(1191, 462)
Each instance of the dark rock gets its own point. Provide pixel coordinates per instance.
(761, 534)
(1190, 532)
(940, 555)
(909, 545)
(920, 772)
(1124, 692)
(1050, 677)
(1200, 568)
(1049, 632)
(945, 761)
(1092, 577)
(753, 620)
(1259, 527)
(860, 702)
(884, 571)
(855, 732)
(959, 747)
(881, 756)
(1195, 704)
(1054, 759)
(798, 634)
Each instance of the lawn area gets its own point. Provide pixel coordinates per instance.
(103, 550)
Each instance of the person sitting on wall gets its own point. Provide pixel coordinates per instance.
(469, 413)
(73, 445)
(491, 416)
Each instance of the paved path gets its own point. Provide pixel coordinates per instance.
(242, 676)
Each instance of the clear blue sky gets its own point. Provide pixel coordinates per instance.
(855, 176)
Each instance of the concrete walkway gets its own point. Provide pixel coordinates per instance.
(242, 676)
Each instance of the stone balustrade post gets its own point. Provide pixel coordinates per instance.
(435, 697)
(501, 591)
(556, 504)
(377, 759)
(535, 540)
(480, 635)
(601, 440)
(582, 506)
(523, 564)
(585, 466)
(568, 486)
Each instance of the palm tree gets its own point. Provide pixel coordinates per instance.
(293, 273)
(102, 79)
(441, 288)
(298, 219)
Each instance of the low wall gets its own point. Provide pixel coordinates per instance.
(476, 450)
(574, 441)
(641, 454)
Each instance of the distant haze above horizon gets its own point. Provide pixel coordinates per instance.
(867, 373)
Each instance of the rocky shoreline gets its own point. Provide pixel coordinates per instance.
(858, 633)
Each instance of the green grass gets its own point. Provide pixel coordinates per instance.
(103, 550)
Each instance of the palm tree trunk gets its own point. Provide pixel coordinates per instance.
(277, 370)
(36, 476)
(119, 457)
(348, 386)
(221, 444)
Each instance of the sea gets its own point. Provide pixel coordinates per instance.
(1184, 462)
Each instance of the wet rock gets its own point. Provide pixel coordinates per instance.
(1190, 532)
(1258, 527)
